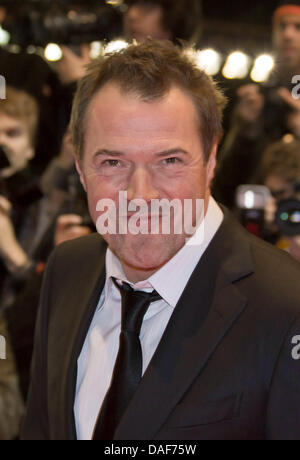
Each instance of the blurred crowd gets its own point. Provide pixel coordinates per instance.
(42, 203)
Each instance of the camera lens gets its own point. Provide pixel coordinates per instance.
(288, 217)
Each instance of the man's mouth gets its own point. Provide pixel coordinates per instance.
(288, 51)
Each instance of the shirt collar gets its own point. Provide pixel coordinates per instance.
(170, 280)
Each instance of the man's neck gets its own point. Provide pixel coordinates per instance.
(134, 274)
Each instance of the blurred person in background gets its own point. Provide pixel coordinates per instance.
(162, 19)
(28, 231)
(262, 115)
(18, 186)
(32, 74)
(18, 122)
(26, 211)
(280, 172)
(57, 217)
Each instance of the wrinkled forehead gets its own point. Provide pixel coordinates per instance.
(115, 117)
(115, 103)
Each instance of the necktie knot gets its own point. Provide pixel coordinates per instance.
(134, 306)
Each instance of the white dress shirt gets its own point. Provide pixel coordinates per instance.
(96, 361)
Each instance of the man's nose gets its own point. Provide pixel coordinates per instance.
(288, 32)
(141, 186)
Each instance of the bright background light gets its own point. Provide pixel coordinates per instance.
(53, 52)
(209, 61)
(31, 49)
(249, 199)
(96, 49)
(115, 46)
(263, 65)
(4, 36)
(114, 2)
(237, 65)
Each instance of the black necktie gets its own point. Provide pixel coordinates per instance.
(129, 363)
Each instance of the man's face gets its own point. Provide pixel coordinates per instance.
(142, 21)
(152, 151)
(14, 136)
(286, 39)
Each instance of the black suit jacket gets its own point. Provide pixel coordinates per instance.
(224, 367)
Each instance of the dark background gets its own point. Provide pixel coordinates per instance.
(250, 12)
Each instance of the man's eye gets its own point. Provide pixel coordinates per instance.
(172, 160)
(112, 163)
(13, 132)
(282, 25)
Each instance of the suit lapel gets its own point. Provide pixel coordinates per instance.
(206, 311)
(74, 328)
(80, 333)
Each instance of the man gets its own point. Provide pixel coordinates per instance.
(263, 114)
(162, 19)
(27, 221)
(32, 74)
(18, 189)
(215, 351)
(286, 37)
(18, 121)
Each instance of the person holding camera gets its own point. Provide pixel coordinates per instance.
(162, 19)
(18, 121)
(158, 19)
(281, 174)
(18, 187)
(262, 114)
(29, 208)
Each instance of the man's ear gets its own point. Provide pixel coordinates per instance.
(212, 162)
(81, 175)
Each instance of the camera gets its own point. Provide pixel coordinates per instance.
(65, 22)
(288, 214)
(252, 201)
